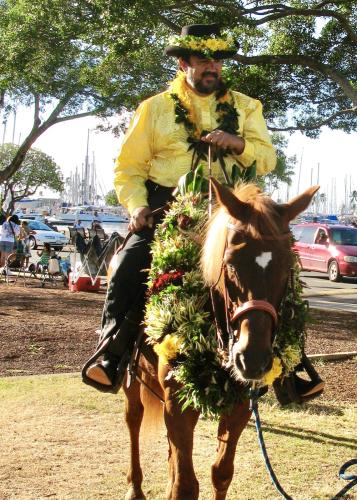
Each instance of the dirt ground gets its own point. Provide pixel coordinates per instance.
(51, 330)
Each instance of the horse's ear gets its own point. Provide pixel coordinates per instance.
(300, 203)
(236, 208)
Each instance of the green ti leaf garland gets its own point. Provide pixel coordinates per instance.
(178, 320)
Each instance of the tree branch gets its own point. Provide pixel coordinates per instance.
(307, 61)
(175, 27)
(309, 13)
(316, 125)
(72, 117)
(59, 108)
(275, 11)
(36, 116)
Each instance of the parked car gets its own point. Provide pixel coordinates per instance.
(326, 248)
(41, 233)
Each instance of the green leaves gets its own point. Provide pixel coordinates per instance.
(38, 169)
(111, 198)
(193, 182)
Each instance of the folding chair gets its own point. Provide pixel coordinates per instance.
(50, 272)
(97, 232)
(73, 234)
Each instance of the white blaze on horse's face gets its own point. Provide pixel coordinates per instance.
(263, 259)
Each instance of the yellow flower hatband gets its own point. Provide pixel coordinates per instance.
(207, 46)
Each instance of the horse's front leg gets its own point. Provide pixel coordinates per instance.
(229, 430)
(134, 412)
(183, 484)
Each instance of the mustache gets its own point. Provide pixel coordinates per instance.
(209, 73)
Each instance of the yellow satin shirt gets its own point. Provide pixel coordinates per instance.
(155, 147)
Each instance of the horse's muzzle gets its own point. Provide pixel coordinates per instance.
(252, 366)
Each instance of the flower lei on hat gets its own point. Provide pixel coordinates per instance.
(178, 320)
(227, 116)
(205, 45)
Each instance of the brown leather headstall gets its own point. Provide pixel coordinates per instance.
(255, 305)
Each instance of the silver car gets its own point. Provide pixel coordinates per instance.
(41, 233)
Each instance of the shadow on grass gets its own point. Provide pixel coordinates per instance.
(316, 409)
(306, 434)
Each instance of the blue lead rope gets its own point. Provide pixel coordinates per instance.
(351, 477)
(274, 479)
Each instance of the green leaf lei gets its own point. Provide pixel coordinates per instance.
(227, 117)
(178, 321)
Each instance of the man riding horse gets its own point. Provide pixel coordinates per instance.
(169, 135)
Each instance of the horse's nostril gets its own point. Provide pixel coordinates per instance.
(253, 368)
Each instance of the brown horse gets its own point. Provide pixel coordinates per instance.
(247, 256)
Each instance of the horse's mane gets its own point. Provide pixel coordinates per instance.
(262, 222)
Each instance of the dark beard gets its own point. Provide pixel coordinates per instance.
(207, 89)
(220, 88)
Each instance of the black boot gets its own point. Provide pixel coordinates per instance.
(107, 375)
(295, 389)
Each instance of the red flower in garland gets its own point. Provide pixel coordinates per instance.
(162, 281)
(184, 221)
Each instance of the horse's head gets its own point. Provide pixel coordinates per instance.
(247, 255)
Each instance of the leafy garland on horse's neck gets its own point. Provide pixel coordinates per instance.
(227, 119)
(178, 322)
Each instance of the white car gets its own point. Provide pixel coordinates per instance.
(41, 233)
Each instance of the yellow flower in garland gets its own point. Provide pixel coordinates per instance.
(274, 373)
(168, 348)
(290, 357)
(179, 87)
(208, 46)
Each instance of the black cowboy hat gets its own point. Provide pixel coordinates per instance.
(206, 32)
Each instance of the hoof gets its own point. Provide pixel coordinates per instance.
(135, 494)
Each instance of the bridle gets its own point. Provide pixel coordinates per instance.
(254, 305)
(235, 312)
(233, 315)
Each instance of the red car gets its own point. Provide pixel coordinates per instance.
(327, 248)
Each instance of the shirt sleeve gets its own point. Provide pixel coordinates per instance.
(133, 162)
(258, 146)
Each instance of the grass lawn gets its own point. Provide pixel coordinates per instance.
(61, 439)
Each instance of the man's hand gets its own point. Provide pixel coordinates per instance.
(140, 218)
(224, 140)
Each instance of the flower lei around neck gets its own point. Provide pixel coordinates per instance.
(178, 320)
(184, 113)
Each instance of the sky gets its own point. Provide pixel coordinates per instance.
(330, 160)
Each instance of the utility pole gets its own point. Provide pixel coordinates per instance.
(299, 175)
(318, 194)
(86, 172)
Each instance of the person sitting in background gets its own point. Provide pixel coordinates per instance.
(65, 265)
(45, 255)
(96, 224)
(321, 238)
(78, 225)
(9, 232)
